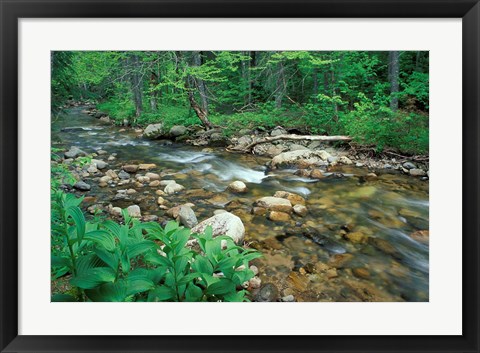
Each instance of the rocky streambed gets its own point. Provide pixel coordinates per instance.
(330, 229)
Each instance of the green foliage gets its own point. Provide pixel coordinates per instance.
(371, 124)
(138, 261)
(318, 92)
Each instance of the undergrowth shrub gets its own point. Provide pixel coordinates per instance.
(136, 261)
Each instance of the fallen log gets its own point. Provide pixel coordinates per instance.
(293, 137)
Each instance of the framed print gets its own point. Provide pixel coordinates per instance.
(177, 176)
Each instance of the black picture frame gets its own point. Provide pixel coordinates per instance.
(11, 11)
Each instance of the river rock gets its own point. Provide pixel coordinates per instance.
(217, 139)
(409, 165)
(223, 224)
(154, 183)
(99, 164)
(178, 130)
(345, 160)
(116, 211)
(131, 191)
(152, 176)
(255, 282)
(268, 293)
(172, 188)
(153, 131)
(134, 211)
(105, 179)
(278, 131)
(274, 204)
(288, 298)
(355, 237)
(361, 272)
(296, 147)
(421, 236)
(259, 211)
(238, 186)
(340, 260)
(244, 141)
(187, 216)
(290, 196)
(82, 186)
(74, 152)
(101, 152)
(130, 168)
(370, 177)
(111, 174)
(166, 182)
(300, 159)
(300, 210)
(123, 175)
(92, 169)
(384, 246)
(417, 172)
(278, 216)
(146, 166)
(268, 149)
(316, 174)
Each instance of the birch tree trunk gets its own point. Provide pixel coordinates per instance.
(394, 70)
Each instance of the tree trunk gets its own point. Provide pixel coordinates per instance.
(202, 90)
(280, 85)
(394, 70)
(315, 85)
(291, 137)
(153, 92)
(136, 84)
(247, 83)
(201, 113)
(190, 82)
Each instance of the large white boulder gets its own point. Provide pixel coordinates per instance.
(300, 159)
(224, 223)
(153, 131)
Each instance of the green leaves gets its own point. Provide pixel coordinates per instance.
(102, 238)
(93, 277)
(120, 263)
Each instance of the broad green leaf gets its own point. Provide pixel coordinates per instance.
(236, 297)
(170, 227)
(193, 293)
(140, 248)
(112, 227)
(157, 259)
(188, 278)
(93, 277)
(138, 284)
(180, 264)
(58, 261)
(209, 279)
(208, 233)
(161, 294)
(89, 261)
(125, 260)
(102, 238)
(63, 298)
(77, 215)
(222, 287)
(180, 238)
(201, 264)
(111, 259)
(109, 292)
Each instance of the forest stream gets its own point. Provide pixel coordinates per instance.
(361, 239)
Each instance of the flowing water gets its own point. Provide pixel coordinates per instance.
(310, 257)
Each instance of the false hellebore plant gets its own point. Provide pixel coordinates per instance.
(136, 261)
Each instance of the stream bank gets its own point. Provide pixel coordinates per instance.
(344, 232)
